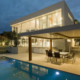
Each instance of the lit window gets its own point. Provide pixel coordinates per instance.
(37, 24)
(70, 17)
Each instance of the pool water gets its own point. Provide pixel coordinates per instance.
(11, 69)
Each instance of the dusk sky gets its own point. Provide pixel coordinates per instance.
(13, 9)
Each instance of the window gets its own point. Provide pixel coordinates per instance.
(33, 40)
(32, 24)
(13, 28)
(59, 18)
(16, 29)
(70, 17)
(37, 24)
(43, 22)
(55, 19)
(23, 29)
(49, 21)
(27, 26)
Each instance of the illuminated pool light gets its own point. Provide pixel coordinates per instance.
(57, 73)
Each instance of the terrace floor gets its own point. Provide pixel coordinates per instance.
(41, 59)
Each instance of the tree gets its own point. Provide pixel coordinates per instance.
(11, 36)
(3, 39)
(76, 21)
(16, 42)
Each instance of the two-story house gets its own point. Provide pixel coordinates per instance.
(57, 15)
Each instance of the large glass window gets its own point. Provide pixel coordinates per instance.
(37, 24)
(32, 25)
(70, 17)
(17, 28)
(23, 27)
(59, 18)
(46, 43)
(13, 28)
(49, 21)
(27, 26)
(43, 22)
(55, 19)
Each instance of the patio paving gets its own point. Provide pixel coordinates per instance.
(41, 59)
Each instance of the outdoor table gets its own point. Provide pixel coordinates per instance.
(63, 55)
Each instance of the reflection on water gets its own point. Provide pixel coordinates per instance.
(18, 70)
(34, 72)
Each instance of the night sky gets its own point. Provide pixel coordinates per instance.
(13, 9)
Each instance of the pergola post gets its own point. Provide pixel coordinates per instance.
(51, 44)
(30, 49)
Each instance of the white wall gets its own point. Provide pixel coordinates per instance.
(22, 50)
(59, 43)
(67, 20)
(17, 50)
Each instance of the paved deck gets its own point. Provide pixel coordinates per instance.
(41, 59)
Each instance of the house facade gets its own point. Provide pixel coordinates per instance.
(57, 15)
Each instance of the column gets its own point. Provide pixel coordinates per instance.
(30, 49)
(51, 44)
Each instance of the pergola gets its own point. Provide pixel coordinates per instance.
(65, 32)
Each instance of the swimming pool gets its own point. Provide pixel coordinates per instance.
(11, 69)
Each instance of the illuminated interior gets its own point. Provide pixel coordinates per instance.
(36, 42)
(51, 19)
